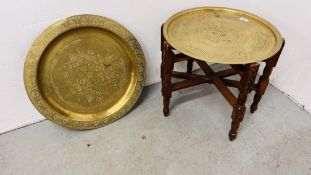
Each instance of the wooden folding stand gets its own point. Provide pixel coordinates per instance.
(247, 83)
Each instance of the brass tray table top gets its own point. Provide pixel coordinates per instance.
(84, 72)
(222, 35)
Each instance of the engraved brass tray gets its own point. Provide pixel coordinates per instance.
(222, 35)
(84, 72)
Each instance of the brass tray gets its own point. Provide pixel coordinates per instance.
(222, 35)
(84, 72)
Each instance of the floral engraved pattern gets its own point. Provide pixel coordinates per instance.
(221, 35)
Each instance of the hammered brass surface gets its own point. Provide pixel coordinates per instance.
(222, 35)
(84, 72)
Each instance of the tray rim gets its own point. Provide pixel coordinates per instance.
(47, 36)
(277, 34)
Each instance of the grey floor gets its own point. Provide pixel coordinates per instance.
(192, 141)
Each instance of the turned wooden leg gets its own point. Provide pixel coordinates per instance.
(237, 117)
(167, 67)
(262, 86)
(190, 65)
(245, 87)
(166, 103)
(263, 81)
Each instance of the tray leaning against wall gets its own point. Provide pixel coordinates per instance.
(84, 72)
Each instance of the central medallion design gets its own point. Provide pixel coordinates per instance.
(93, 76)
(86, 78)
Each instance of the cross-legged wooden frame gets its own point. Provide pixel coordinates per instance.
(247, 83)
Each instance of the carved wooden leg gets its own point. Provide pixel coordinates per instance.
(167, 67)
(190, 65)
(246, 84)
(262, 86)
(264, 79)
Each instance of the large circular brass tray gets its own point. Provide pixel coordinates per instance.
(84, 72)
(222, 35)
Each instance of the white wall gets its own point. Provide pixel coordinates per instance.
(22, 21)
